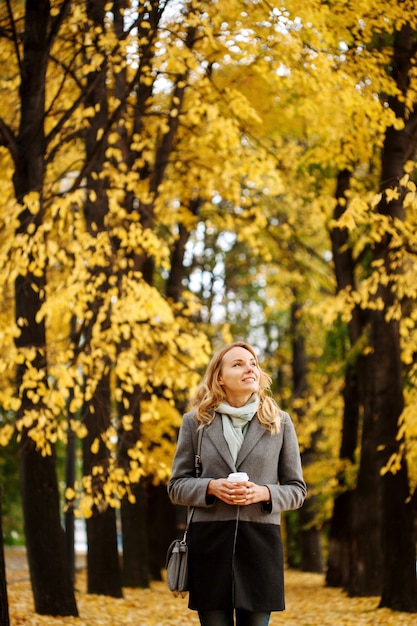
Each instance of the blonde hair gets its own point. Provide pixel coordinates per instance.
(210, 393)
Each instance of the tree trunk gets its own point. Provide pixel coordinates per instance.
(162, 526)
(399, 585)
(4, 604)
(45, 538)
(135, 565)
(104, 577)
(102, 556)
(354, 542)
(137, 527)
(133, 514)
(310, 535)
(340, 559)
(338, 565)
(135, 539)
(365, 517)
(51, 583)
(70, 463)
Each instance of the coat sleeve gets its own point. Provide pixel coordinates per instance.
(291, 490)
(183, 487)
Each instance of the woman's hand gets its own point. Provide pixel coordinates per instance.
(238, 493)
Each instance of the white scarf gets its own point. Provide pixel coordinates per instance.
(235, 422)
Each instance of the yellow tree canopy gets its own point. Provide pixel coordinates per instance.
(247, 110)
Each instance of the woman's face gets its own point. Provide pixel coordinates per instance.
(239, 375)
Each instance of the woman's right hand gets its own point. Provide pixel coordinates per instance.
(228, 492)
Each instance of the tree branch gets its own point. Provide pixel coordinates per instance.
(14, 34)
(8, 139)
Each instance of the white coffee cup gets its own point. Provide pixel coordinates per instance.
(238, 477)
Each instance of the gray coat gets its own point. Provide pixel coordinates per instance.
(235, 552)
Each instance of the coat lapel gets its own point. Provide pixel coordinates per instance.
(255, 432)
(215, 433)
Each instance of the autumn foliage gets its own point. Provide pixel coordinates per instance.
(175, 175)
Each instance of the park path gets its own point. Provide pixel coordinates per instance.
(309, 603)
(17, 565)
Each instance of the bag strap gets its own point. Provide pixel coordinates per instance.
(197, 467)
(197, 458)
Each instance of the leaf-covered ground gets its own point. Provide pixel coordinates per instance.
(309, 603)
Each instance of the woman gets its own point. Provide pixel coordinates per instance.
(235, 550)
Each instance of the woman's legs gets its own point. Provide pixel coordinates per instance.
(225, 618)
(247, 618)
(216, 618)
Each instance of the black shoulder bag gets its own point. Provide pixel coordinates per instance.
(177, 554)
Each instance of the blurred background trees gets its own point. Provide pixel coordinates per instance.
(177, 174)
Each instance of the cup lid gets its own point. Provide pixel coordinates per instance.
(238, 476)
